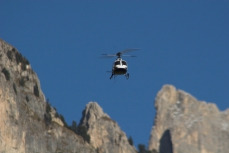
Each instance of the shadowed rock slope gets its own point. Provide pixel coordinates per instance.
(185, 125)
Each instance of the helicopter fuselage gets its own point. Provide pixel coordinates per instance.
(119, 68)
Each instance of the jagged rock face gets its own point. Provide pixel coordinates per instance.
(184, 124)
(22, 109)
(105, 134)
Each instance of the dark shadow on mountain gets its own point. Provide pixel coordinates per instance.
(166, 143)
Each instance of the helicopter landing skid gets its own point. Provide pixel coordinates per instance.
(127, 75)
(111, 75)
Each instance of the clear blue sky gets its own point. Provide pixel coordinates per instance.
(183, 43)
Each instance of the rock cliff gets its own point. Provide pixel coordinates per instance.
(105, 133)
(25, 124)
(28, 124)
(185, 125)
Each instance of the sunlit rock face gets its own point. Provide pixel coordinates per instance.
(185, 125)
(182, 123)
(28, 124)
(22, 108)
(104, 132)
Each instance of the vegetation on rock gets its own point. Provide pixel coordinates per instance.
(82, 131)
(27, 98)
(15, 89)
(130, 140)
(73, 127)
(10, 55)
(36, 90)
(21, 59)
(22, 82)
(48, 107)
(6, 73)
(142, 149)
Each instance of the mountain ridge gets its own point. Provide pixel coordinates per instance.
(29, 123)
(184, 124)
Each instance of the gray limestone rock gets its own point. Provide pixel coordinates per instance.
(185, 125)
(182, 123)
(22, 108)
(28, 124)
(104, 132)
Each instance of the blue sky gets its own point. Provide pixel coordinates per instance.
(183, 43)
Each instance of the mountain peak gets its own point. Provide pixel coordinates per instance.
(93, 108)
(92, 113)
(184, 124)
(105, 134)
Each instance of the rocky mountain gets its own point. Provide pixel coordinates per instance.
(185, 125)
(28, 124)
(105, 133)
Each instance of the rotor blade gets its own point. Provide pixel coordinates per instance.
(129, 55)
(106, 57)
(129, 50)
(109, 55)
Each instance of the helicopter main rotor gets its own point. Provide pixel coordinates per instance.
(119, 54)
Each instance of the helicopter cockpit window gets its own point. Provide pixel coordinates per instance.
(124, 63)
(117, 63)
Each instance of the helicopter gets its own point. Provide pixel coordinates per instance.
(120, 66)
